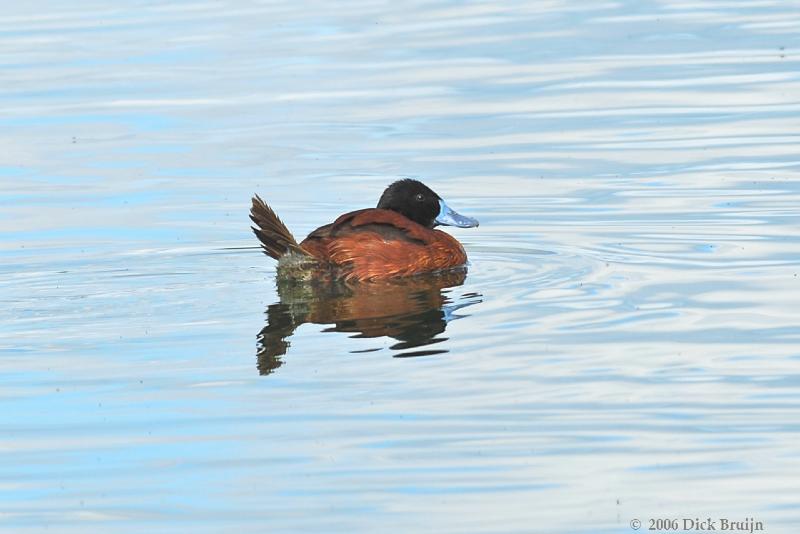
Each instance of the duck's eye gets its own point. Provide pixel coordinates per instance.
(419, 197)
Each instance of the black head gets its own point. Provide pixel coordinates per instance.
(419, 203)
(413, 199)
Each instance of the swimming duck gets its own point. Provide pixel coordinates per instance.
(396, 238)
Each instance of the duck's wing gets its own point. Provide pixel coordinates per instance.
(393, 224)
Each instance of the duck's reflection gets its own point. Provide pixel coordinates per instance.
(414, 311)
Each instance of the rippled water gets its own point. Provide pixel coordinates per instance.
(625, 344)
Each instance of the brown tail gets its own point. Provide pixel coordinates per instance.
(275, 238)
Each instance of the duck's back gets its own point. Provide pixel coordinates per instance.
(375, 243)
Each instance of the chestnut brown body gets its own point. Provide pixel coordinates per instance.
(374, 244)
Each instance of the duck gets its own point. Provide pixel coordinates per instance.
(397, 238)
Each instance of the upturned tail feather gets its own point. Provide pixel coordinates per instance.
(276, 239)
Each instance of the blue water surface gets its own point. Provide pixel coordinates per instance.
(625, 344)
